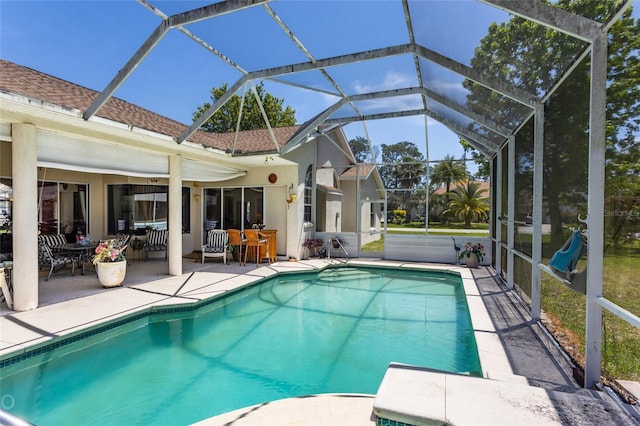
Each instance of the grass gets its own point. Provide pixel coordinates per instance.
(436, 228)
(378, 246)
(438, 225)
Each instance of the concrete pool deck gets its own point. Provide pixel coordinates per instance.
(526, 376)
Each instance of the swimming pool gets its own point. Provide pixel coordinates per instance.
(329, 332)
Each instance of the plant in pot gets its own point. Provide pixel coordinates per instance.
(472, 253)
(312, 244)
(110, 263)
(336, 242)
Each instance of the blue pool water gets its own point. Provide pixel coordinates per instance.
(330, 332)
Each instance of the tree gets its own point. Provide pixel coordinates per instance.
(447, 172)
(361, 151)
(468, 203)
(402, 169)
(484, 166)
(225, 119)
(403, 165)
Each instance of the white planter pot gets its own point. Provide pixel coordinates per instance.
(472, 261)
(111, 274)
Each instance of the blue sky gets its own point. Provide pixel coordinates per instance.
(87, 42)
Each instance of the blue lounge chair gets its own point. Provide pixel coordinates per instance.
(563, 263)
(566, 259)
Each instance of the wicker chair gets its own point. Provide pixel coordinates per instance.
(237, 242)
(255, 240)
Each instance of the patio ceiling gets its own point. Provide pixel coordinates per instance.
(427, 45)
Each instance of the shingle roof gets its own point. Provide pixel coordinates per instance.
(37, 85)
(363, 173)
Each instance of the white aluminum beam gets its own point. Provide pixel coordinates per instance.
(498, 214)
(478, 118)
(311, 125)
(192, 36)
(511, 211)
(595, 214)
(133, 62)
(551, 17)
(155, 37)
(402, 49)
(212, 109)
(504, 88)
(211, 10)
(538, 185)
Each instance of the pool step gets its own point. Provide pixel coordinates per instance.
(416, 396)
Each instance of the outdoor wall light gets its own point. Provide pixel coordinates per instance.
(196, 197)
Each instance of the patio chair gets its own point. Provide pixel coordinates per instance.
(216, 245)
(46, 257)
(156, 241)
(563, 263)
(565, 260)
(256, 240)
(237, 242)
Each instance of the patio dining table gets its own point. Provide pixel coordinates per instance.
(81, 252)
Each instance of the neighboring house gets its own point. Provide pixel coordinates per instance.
(123, 171)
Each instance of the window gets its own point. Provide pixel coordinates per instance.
(308, 193)
(233, 208)
(63, 208)
(136, 208)
(6, 217)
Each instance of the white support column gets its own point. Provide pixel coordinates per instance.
(358, 212)
(25, 216)
(427, 174)
(175, 215)
(511, 209)
(538, 181)
(498, 186)
(595, 220)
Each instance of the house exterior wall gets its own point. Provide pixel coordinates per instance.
(304, 156)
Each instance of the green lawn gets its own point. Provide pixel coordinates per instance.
(437, 228)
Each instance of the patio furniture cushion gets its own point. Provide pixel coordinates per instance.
(156, 241)
(216, 245)
(46, 257)
(53, 240)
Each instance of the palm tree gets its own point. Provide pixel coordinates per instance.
(448, 172)
(468, 203)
